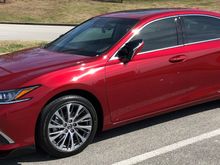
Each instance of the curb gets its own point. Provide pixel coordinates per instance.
(43, 24)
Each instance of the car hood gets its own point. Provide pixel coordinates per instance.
(36, 59)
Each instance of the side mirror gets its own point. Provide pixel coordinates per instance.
(130, 50)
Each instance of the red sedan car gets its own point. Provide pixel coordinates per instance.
(110, 70)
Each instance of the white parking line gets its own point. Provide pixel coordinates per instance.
(169, 148)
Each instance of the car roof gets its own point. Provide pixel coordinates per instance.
(144, 13)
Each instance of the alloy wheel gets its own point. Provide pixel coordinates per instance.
(69, 127)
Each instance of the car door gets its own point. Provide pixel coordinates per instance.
(151, 81)
(202, 45)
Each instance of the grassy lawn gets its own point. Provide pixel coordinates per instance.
(76, 11)
(11, 46)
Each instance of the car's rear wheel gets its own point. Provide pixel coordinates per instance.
(67, 125)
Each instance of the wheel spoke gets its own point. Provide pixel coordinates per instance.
(80, 136)
(57, 134)
(72, 142)
(58, 115)
(63, 140)
(69, 141)
(68, 108)
(55, 122)
(78, 111)
(85, 120)
(62, 115)
(55, 126)
(87, 127)
(84, 117)
(78, 139)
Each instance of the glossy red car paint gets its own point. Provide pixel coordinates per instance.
(146, 86)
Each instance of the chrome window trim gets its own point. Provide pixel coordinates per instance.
(179, 46)
(150, 51)
(198, 42)
(7, 138)
(179, 15)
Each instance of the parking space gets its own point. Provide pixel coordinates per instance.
(127, 142)
(205, 153)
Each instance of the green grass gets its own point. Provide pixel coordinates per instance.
(11, 46)
(76, 11)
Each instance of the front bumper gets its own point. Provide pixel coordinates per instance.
(17, 124)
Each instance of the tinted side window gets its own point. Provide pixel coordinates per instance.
(200, 28)
(159, 34)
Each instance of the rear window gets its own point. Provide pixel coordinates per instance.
(201, 28)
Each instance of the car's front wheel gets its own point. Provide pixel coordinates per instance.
(67, 125)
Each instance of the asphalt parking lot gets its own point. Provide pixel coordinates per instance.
(31, 32)
(189, 136)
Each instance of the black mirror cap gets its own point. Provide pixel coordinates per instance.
(130, 50)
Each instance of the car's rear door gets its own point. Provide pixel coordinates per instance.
(202, 47)
(152, 81)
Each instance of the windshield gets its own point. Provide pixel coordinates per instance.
(93, 37)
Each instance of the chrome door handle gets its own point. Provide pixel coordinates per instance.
(178, 58)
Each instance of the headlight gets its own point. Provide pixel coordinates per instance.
(14, 96)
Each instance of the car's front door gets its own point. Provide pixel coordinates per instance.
(151, 81)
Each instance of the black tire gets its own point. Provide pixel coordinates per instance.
(43, 140)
